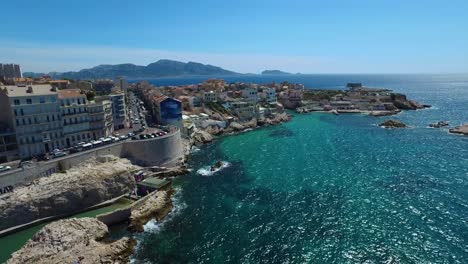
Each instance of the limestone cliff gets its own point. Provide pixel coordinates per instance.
(65, 193)
(74, 241)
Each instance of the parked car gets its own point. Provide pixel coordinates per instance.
(131, 134)
(43, 157)
(134, 138)
(4, 168)
(59, 154)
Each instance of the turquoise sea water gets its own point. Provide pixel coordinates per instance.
(330, 189)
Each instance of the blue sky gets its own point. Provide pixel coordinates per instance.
(359, 36)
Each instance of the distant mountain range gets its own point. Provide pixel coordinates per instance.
(161, 68)
(275, 72)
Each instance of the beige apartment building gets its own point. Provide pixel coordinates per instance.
(100, 119)
(75, 117)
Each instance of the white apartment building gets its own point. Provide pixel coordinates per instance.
(269, 95)
(251, 94)
(75, 117)
(34, 114)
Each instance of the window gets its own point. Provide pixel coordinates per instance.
(16, 113)
(17, 122)
(22, 112)
(42, 100)
(29, 101)
(53, 99)
(17, 102)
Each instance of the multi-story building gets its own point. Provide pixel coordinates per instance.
(75, 117)
(251, 94)
(119, 109)
(210, 96)
(10, 71)
(167, 111)
(122, 84)
(34, 114)
(100, 119)
(269, 95)
(103, 86)
(243, 109)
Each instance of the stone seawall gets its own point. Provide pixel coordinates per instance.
(164, 150)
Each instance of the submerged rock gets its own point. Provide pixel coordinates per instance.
(463, 130)
(393, 124)
(74, 241)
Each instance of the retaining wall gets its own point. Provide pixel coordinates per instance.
(165, 150)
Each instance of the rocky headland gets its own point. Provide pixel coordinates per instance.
(74, 241)
(80, 187)
(462, 130)
(393, 124)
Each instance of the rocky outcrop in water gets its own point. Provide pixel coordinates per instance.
(393, 124)
(400, 101)
(462, 130)
(65, 193)
(153, 206)
(74, 241)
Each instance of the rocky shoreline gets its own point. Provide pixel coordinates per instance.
(208, 134)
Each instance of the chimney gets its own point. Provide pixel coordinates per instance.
(30, 89)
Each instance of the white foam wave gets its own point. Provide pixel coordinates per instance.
(153, 226)
(206, 171)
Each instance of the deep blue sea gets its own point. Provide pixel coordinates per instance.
(325, 188)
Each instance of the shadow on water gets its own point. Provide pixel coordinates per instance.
(281, 132)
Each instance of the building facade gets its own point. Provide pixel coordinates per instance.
(119, 109)
(8, 71)
(100, 119)
(34, 114)
(168, 111)
(75, 117)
